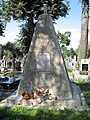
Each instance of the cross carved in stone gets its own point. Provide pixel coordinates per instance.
(45, 9)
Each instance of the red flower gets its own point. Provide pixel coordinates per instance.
(25, 95)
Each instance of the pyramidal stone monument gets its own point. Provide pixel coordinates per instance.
(45, 66)
(45, 70)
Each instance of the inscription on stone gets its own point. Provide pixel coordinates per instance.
(43, 62)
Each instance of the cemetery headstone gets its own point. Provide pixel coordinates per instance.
(84, 65)
(5, 60)
(44, 65)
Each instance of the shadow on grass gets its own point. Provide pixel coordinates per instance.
(21, 113)
(85, 88)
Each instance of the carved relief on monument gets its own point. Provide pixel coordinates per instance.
(43, 62)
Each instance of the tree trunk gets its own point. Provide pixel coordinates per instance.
(84, 31)
(30, 23)
(31, 26)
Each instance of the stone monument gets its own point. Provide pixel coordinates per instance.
(44, 65)
(45, 68)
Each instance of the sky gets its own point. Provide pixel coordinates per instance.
(71, 23)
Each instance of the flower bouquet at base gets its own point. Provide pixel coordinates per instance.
(26, 95)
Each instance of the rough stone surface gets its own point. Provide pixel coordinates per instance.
(45, 66)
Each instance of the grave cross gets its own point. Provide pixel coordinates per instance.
(45, 9)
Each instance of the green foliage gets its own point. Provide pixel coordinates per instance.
(64, 38)
(27, 11)
(66, 53)
(64, 41)
(2, 20)
(24, 39)
(22, 9)
(72, 52)
(69, 69)
(80, 81)
(1, 28)
(70, 72)
(11, 49)
(87, 95)
(84, 72)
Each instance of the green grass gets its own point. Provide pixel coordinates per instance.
(85, 89)
(70, 72)
(22, 113)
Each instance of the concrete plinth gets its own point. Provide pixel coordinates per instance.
(77, 102)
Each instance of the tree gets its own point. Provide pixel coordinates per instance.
(28, 10)
(12, 49)
(23, 38)
(64, 41)
(2, 22)
(72, 52)
(1, 29)
(84, 31)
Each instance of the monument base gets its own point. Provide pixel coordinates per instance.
(77, 102)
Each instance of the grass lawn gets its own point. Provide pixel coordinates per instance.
(21, 113)
(85, 88)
